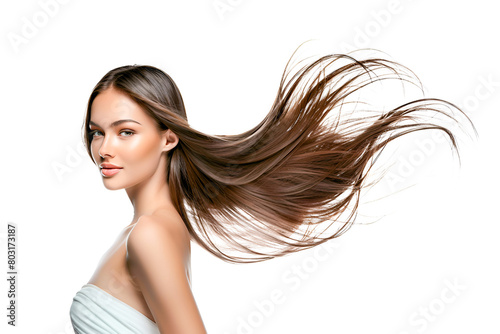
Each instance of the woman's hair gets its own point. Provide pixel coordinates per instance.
(278, 187)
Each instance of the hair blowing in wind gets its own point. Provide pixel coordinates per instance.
(283, 185)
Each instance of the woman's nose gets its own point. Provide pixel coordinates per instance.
(106, 147)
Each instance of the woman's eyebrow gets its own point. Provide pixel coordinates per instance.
(116, 123)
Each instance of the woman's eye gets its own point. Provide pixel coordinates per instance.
(130, 133)
(126, 133)
(92, 133)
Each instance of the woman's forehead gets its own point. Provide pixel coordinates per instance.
(113, 105)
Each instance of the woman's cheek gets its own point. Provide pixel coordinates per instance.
(94, 150)
(143, 150)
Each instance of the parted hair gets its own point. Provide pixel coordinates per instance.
(280, 186)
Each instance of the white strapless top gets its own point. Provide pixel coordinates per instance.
(95, 311)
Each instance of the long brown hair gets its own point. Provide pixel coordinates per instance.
(278, 187)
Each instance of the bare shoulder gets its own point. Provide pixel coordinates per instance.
(162, 228)
(158, 261)
(157, 244)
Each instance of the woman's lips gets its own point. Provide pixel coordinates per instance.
(109, 171)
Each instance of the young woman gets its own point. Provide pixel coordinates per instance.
(275, 189)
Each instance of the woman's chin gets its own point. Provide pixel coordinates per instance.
(112, 185)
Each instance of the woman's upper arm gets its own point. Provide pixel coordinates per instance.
(156, 260)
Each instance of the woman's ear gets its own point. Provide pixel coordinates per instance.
(170, 140)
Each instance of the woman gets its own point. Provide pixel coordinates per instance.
(244, 198)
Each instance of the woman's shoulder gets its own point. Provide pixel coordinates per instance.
(166, 218)
(163, 225)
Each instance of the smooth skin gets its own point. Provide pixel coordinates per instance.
(158, 246)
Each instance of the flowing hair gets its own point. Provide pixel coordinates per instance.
(278, 187)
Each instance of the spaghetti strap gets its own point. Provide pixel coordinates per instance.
(126, 240)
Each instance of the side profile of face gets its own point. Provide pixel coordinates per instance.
(125, 136)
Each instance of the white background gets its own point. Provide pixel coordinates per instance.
(441, 231)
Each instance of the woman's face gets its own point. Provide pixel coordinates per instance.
(123, 135)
